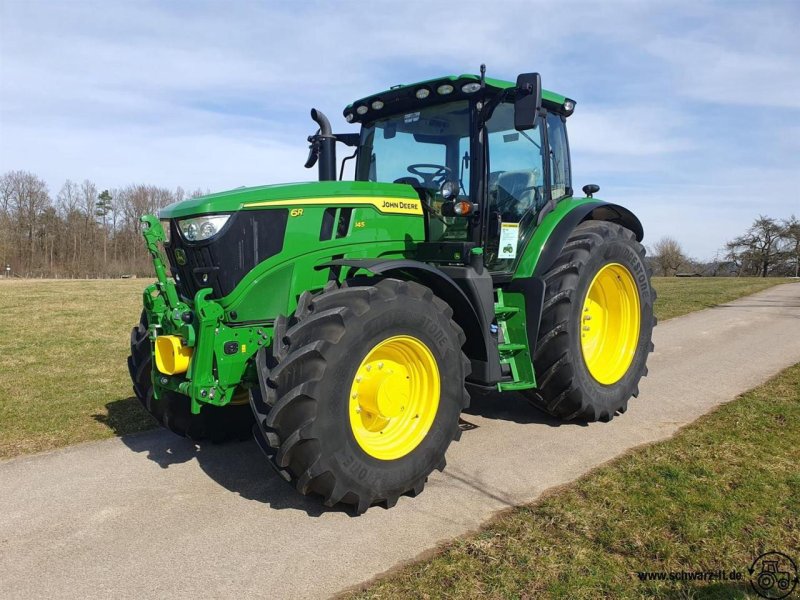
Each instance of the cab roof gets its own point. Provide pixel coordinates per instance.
(404, 97)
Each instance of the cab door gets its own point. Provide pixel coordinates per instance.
(518, 186)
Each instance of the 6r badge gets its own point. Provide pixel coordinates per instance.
(773, 575)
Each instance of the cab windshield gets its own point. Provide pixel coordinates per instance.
(436, 136)
(424, 149)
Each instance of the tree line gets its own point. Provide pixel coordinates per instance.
(86, 232)
(81, 231)
(769, 247)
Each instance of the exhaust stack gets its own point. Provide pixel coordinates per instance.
(322, 148)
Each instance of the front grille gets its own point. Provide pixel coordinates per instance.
(248, 238)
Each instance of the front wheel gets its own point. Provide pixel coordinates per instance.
(360, 396)
(596, 327)
(218, 424)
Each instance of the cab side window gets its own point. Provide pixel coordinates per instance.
(560, 176)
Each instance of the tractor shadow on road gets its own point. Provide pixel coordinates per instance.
(243, 469)
(510, 407)
(239, 467)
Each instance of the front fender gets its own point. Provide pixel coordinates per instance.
(470, 314)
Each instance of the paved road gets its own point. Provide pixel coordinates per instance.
(152, 516)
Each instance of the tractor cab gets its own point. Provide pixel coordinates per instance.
(486, 157)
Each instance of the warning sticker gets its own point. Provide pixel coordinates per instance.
(509, 236)
(411, 117)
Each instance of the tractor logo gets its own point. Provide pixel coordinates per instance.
(180, 257)
(773, 575)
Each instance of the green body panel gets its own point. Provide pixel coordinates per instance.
(238, 198)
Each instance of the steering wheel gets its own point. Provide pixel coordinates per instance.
(429, 177)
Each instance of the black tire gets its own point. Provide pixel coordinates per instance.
(173, 411)
(305, 380)
(567, 389)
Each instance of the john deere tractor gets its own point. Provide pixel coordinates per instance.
(342, 322)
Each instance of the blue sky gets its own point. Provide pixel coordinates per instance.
(688, 112)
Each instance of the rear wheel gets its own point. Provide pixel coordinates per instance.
(596, 326)
(361, 392)
(173, 411)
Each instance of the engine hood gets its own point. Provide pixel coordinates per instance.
(239, 198)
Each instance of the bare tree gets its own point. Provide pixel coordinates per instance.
(668, 256)
(27, 198)
(84, 234)
(757, 250)
(791, 236)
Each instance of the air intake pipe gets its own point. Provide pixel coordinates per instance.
(322, 147)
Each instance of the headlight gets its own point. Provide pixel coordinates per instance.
(198, 229)
(470, 88)
(449, 189)
(167, 229)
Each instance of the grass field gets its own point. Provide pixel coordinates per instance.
(723, 491)
(63, 349)
(63, 371)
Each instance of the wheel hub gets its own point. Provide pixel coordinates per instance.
(382, 388)
(394, 397)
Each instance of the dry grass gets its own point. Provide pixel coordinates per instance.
(64, 344)
(63, 352)
(680, 295)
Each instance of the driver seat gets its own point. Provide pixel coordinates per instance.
(516, 194)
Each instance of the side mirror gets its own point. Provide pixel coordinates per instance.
(528, 101)
(590, 189)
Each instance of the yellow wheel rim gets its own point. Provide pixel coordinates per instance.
(394, 397)
(610, 323)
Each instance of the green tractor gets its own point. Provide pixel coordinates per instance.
(342, 322)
